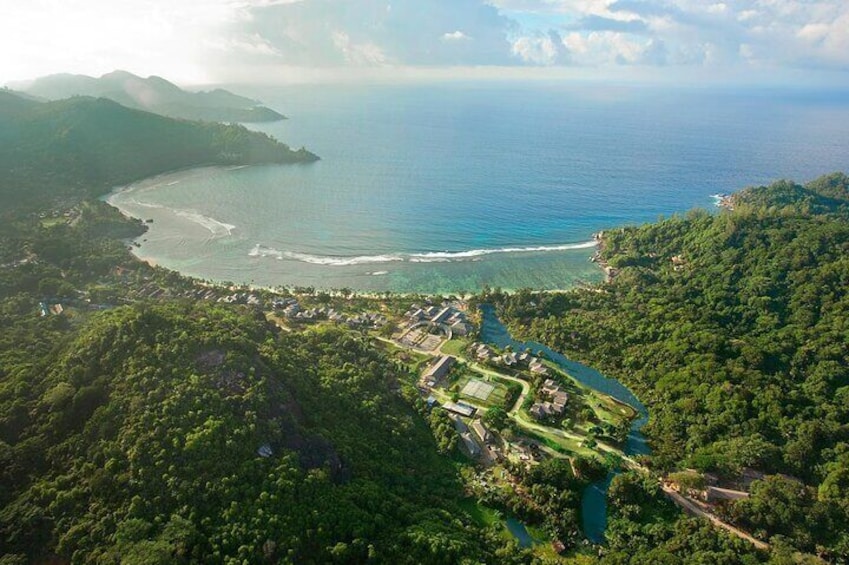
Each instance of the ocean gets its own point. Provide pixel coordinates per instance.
(448, 188)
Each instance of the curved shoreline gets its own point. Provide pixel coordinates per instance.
(401, 273)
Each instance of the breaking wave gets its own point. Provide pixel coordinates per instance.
(216, 228)
(442, 256)
(430, 257)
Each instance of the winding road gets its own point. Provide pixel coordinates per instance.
(516, 414)
(691, 508)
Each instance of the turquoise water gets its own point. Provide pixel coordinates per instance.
(594, 500)
(518, 530)
(447, 188)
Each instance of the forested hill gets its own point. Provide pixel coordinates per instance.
(155, 94)
(180, 430)
(827, 194)
(194, 433)
(734, 328)
(82, 147)
(13, 103)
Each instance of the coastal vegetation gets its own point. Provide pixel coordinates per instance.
(60, 152)
(146, 417)
(731, 327)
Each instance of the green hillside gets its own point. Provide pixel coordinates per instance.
(12, 104)
(829, 193)
(178, 432)
(732, 328)
(82, 147)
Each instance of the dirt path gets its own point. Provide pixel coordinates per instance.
(691, 508)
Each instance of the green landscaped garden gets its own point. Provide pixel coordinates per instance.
(413, 359)
(483, 516)
(607, 410)
(455, 346)
(486, 517)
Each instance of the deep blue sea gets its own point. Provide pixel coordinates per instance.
(450, 187)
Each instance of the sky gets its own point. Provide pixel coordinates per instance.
(278, 41)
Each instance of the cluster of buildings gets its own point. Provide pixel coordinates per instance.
(241, 298)
(483, 352)
(447, 315)
(554, 406)
(474, 436)
(292, 310)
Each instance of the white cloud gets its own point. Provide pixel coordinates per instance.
(96, 36)
(365, 53)
(202, 40)
(456, 35)
(778, 33)
(543, 49)
(403, 32)
(599, 48)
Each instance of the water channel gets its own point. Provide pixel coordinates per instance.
(594, 499)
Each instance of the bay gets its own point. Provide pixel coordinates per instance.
(451, 187)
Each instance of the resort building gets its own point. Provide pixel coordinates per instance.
(553, 407)
(536, 367)
(448, 315)
(460, 408)
(470, 443)
(481, 431)
(438, 370)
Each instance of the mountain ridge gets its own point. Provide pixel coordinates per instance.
(154, 94)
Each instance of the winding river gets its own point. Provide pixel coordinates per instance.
(594, 500)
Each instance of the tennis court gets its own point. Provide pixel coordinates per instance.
(478, 389)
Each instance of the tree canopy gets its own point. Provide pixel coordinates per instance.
(732, 328)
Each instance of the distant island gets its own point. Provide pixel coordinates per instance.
(153, 94)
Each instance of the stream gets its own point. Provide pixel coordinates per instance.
(594, 499)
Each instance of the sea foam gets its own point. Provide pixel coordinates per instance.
(441, 256)
(215, 227)
(429, 257)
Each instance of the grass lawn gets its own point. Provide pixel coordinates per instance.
(486, 517)
(413, 359)
(537, 533)
(483, 516)
(455, 346)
